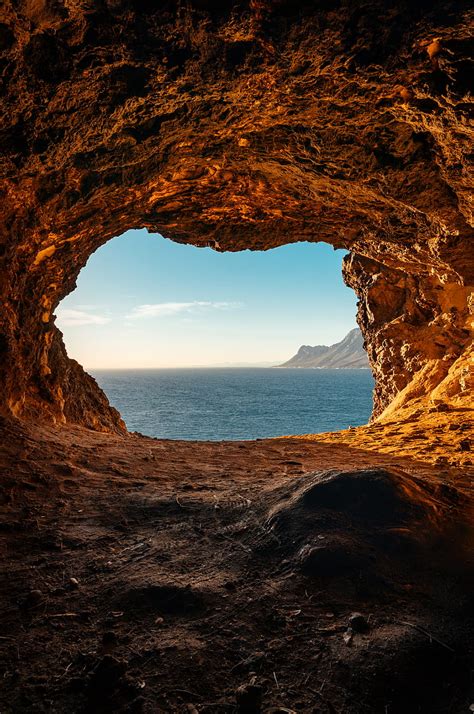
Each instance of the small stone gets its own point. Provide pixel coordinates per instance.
(358, 622)
(348, 636)
(74, 583)
(249, 699)
(106, 676)
(34, 598)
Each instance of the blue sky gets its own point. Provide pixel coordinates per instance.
(144, 301)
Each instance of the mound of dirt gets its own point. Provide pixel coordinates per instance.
(372, 524)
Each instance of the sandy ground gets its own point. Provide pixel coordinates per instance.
(140, 575)
(438, 435)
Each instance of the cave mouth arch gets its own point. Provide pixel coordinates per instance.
(241, 127)
(184, 341)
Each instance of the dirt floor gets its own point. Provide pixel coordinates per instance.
(440, 435)
(279, 576)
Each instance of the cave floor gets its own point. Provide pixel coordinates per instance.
(162, 576)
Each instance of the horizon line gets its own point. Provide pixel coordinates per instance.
(230, 365)
(220, 366)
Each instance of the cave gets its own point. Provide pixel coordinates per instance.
(169, 576)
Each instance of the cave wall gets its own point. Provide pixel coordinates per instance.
(239, 125)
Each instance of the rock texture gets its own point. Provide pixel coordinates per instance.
(346, 354)
(239, 125)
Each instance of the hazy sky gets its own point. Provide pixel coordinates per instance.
(144, 301)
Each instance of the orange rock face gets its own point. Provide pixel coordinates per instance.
(239, 125)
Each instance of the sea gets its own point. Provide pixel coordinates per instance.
(238, 403)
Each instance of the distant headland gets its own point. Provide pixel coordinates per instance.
(349, 353)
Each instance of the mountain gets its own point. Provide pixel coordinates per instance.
(349, 353)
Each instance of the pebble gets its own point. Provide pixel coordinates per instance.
(358, 622)
(249, 699)
(347, 636)
(74, 583)
(34, 598)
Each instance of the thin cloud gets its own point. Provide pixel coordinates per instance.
(166, 309)
(78, 318)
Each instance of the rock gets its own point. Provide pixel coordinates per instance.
(249, 699)
(358, 622)
(34, 599)
(348, 636)
(74, 583)
(442, 407)
(107, 675)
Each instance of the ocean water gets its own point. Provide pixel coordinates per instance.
(247, 403)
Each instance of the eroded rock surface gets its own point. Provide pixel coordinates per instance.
(239, 125)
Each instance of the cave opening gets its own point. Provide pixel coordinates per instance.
(328, 573)
(192, 343)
